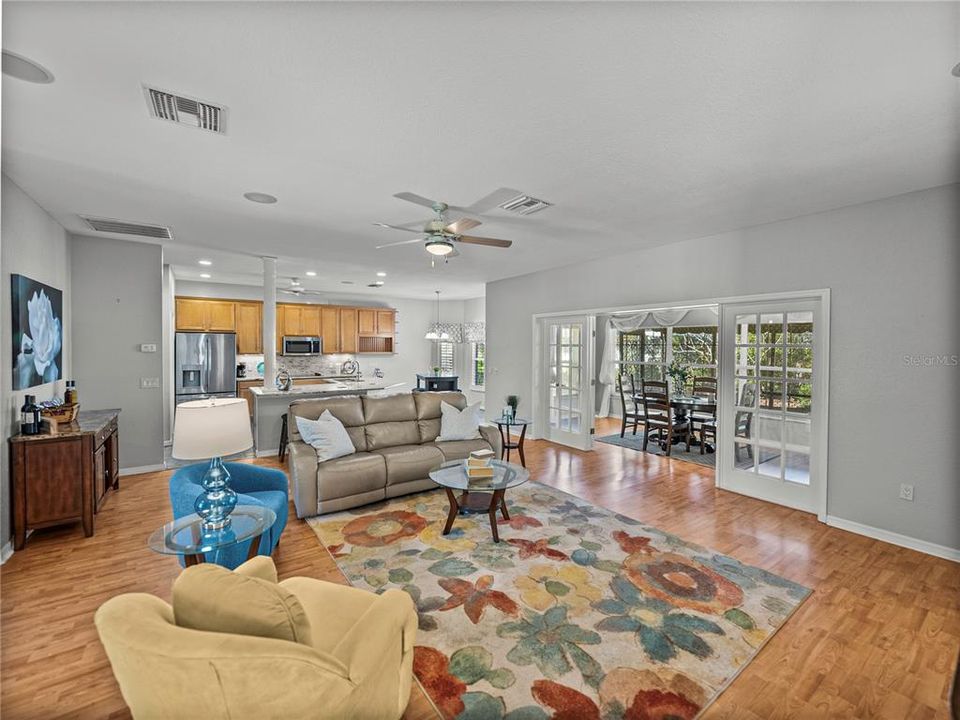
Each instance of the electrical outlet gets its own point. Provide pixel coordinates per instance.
(149, 383)
(906, 492)
(148, 347)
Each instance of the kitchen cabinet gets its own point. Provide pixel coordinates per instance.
(310, 321)
(243, 390)
(330, 328)
(65, 477)
(385, 322)
(249, 329)
(203, 315)
(348, 330)
(366, 321)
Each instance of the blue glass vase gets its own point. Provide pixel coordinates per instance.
(218, 499)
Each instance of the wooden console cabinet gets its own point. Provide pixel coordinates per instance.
(65, 477)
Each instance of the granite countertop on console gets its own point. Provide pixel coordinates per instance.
(88, 422)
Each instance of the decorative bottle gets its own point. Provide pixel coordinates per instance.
(29, 416)
(70, 394)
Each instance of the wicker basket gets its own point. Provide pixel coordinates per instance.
(62, 413)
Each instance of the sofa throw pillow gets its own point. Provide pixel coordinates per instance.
(327, 435)
(459, 424)
(211, 598)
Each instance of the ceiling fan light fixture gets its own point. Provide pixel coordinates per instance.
(439, 247)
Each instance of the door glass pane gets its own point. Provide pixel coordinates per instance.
(771, 328)
(746, 393)
(745, 423)
(769, 429)
(565, 334)
(575, 355)
(575, 334)
(554, 329)
(799, 398)
(800, 328)
(565, 354)
(771, 395)
(575, 422)
(768, 462)
(575, 378)
(746, 329)
(771, 362)
(743, 456)
(796, 467)
(554, 417)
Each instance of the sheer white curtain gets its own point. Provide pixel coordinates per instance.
(628, 323)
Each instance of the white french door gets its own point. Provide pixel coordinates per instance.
(773, 402)
(566, 402)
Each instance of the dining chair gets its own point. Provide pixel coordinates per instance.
(743, 420)
(658, 415)
(705, 387)
(628, 403)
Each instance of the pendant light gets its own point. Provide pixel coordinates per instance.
(436, 332)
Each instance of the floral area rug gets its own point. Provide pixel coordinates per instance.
(578, 612)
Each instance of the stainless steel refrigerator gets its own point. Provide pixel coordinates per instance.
(205, 365)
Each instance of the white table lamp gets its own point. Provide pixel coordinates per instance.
(211, 429)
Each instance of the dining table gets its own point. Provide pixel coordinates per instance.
(682, 406)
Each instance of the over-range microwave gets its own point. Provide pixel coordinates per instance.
(293, 345)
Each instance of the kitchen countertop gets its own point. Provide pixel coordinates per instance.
(321, 388)
(259, 378)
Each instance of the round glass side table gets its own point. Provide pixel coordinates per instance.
(187, 537)
(478, 495)
(507, 442)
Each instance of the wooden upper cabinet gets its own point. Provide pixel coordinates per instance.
(330, 328)
(191, 314)
(222, 315)
(348, 330)
(198, 315)
(310, 320)
(385, 322)
(249, 329)
(366, 321)
(292, 320)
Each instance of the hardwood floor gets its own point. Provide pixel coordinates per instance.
(879, 637)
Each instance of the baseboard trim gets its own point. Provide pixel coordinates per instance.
(941, 551)
(141, 469)
(267, 453)
(6, 552)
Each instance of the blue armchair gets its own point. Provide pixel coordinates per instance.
(254, 485)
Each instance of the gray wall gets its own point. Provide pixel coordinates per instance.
(892, 267)
(117, 305)
(35, 245)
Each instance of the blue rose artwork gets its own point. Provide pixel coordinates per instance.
(37, 332)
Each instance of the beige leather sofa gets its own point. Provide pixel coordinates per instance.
(395, 438)
(349, 654)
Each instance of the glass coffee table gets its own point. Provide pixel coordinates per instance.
(484, 495)
(187, 537)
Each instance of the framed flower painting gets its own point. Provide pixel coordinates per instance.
(37, 332)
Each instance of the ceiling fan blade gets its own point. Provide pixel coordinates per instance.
(460, 226)
(492, 242)
(415, 199)
(402, 242)
(399, 227)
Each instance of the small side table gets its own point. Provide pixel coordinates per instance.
(186, 536)
(507, 441)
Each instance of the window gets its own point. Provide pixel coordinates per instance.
(478, 365)
(446, 358)
(645, 353)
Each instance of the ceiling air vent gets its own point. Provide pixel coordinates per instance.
(525, 205)
(128, 228)
(185, 110)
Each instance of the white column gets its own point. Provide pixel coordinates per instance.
(269, 321)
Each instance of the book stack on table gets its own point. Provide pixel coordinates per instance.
(478, 466)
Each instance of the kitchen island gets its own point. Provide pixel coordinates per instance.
(270, 405)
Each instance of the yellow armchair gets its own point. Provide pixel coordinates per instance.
(358, 664)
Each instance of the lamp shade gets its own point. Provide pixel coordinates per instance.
(216, 427)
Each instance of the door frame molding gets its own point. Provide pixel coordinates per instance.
(821, 294)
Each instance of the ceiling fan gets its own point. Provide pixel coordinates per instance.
(297, 289)
(441, 236)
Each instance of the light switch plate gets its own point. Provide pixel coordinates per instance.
(147, 383)
(148, 347)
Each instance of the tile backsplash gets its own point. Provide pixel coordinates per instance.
(325, 364)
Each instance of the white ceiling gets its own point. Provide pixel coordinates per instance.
(644, 123)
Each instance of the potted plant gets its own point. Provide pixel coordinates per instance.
(512, 402)
(436, 370)
(678, 377)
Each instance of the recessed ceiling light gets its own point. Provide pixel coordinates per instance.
(205, 276)
(311, 273)
(379, 282)
(259, 197)
(346, 282)
(23, 69)
(381, 274)
(204, 262)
